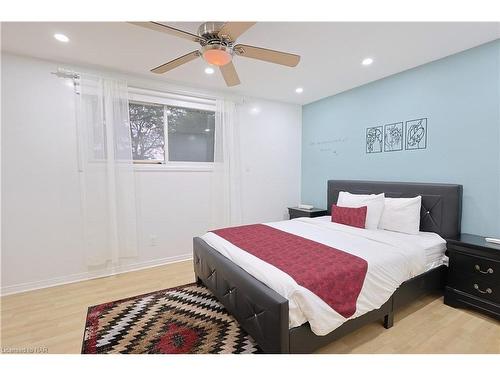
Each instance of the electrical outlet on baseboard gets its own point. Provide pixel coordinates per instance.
(153, 240)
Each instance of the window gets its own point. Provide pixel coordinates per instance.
(190, 134)
(147, 130)
(167, 129)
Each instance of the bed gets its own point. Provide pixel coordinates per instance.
(268, 316)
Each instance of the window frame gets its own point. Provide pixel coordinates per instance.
(169, 99)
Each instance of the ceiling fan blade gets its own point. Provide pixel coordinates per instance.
(230, 76)
(177, 62)
(269, 55)
(233, 30)
(156, 26)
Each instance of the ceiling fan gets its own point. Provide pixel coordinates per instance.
(218, 46)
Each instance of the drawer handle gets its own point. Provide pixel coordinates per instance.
(489, 270)
(487, 291)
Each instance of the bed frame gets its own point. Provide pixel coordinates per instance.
(263, 313)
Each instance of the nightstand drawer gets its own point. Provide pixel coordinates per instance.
(474, 266)
(477, 286)
(295, 214)
(473, 274)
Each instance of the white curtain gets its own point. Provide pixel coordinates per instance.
(106, 171)
(226, 177)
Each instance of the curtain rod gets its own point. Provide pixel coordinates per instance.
(65, 73)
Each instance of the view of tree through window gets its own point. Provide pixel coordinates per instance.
(147, 129)
(190, 133)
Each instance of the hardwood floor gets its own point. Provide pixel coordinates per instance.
(54, 318)
(427, 326)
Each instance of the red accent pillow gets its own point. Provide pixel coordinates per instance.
(355, 217)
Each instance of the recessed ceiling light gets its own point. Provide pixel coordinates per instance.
(299, 90)
(255, 110)
(207, 130)
(209, 70)
(61, 37)
(367, 61)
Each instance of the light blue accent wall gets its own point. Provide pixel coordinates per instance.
(460, 96)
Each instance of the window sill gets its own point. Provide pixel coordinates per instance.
(173, 168)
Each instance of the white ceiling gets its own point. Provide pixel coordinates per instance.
(331, 52)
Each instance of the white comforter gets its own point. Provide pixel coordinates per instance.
(392, 259)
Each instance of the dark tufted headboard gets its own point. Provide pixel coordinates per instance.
(441, 203)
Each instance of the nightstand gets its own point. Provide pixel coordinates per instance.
(295, 212)
(473, 274)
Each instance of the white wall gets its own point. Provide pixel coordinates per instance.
(270, 154)
(41, 216)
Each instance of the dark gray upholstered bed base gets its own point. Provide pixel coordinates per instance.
(263, 313)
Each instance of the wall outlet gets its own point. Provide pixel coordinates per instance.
(153, 240)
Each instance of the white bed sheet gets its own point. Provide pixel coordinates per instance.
(392, 259)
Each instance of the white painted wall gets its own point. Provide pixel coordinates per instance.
(269, 133)
(41, 215)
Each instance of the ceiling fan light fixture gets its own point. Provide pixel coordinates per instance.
(217, 54)
(218, 45)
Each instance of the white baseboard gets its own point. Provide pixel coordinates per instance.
(25, 287)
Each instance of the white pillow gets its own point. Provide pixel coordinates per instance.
(401, 215)
(373, 202)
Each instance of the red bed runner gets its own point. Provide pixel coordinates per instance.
(333, 275)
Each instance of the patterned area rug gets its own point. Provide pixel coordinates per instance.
(183, 320)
